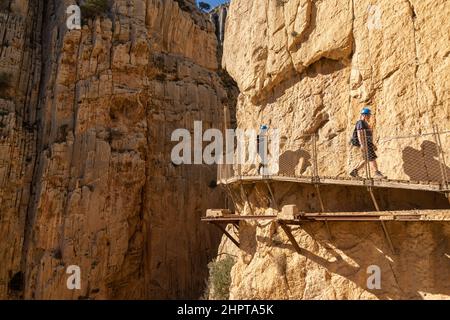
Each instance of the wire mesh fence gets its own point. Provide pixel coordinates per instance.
(444, 144)
(420, 158)
(297, 158)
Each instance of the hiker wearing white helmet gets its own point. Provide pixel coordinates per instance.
(363, 138)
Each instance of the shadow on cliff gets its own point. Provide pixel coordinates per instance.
(408, 276)
(294, 163)
(323, 66)
(338, 265)
(421, 165)
(421, 265)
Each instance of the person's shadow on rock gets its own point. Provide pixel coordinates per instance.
(423, 164)
(294, 163)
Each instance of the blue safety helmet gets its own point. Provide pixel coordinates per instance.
(366, 111)
(264, 127)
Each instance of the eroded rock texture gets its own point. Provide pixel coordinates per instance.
(309, 66)
(20, 68)
(88, 136)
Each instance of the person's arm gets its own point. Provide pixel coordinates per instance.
(360, 128)
(362, 138)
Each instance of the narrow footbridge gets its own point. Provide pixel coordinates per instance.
(412, 162)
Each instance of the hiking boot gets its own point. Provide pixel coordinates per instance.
(379, 175)
(354, 173)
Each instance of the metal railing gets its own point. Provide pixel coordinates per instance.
(419, 158)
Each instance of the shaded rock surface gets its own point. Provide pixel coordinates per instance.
(309, 66)
(86, 177)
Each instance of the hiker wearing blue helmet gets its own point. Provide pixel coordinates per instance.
(363, 138)
(262, 146)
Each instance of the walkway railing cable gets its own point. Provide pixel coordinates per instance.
(416, 158)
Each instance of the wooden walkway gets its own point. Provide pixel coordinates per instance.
(408, 215)
(228, 175)
(379, 216)
(357, 182)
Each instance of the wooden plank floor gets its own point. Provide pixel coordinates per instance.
(409, 215)
(344, 181)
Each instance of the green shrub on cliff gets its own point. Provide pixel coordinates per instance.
(220, 278)
(91, 9)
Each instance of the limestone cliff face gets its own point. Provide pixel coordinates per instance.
(309, 66)
(86, 177)
(20, 67)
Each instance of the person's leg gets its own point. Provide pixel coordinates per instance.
(375, 171)
(360, 165)
(372, 157)
(374, 165)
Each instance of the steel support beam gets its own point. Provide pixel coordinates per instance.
(322, 207)
(222, 228)
(275, 204)
(383, 224)
(288, 232)
(246, 198)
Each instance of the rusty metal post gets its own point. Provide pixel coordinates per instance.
(272, 195)
(316, 179)
(441, 157)
(314, 156)
(288, 232)
(225, 232)
(231, 196)
(383, 225)
(246, 198)
(322, 207)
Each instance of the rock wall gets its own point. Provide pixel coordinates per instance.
(268, 267)
(20, 69)
(309, 66)
(94, 151)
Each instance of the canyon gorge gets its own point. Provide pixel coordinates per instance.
(85, 172)
(86, 118)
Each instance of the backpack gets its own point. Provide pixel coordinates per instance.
(354, 141)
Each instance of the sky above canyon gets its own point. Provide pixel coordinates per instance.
(214, 3)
